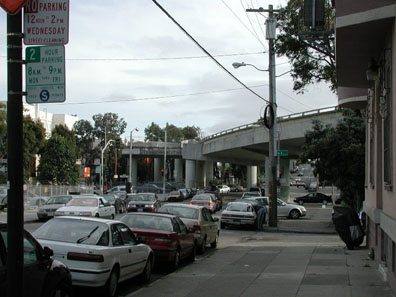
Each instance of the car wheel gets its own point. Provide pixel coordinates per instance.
(63, 289)
(213, 245)
(202, 247)
(176, 260)
(96, 215)
(146, 274)
(112, 283)
(112, 216)
(294, 214)
(300, 202)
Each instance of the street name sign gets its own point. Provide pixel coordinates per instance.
(46, 22)
(283, 153)
(12, 6)
(45, 74)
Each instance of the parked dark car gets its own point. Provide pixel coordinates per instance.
(149, 188)
(313, 197)
(118, 203)
(147, 202)
(175, 196)
(166, 234)
(42, 276)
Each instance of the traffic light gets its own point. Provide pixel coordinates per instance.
(162, 171)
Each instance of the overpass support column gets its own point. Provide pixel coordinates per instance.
(134, 172)
(208, 172)
(200, 174)
(158, 165)
(285, 179)
(267, 174)
(178, 172)
(251, 176)
(190, 174)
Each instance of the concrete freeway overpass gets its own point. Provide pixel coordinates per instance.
(243, 145)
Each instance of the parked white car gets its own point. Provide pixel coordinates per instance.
(87, 206)
(223, 189)
(98, 252)
(238, 213)
(47, 211)
(199, 219)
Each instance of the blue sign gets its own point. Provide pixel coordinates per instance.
(44, 95)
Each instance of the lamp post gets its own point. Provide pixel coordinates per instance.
(129, 186)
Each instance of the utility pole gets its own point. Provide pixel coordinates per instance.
(272, 151)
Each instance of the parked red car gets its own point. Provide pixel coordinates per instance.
(166, 234)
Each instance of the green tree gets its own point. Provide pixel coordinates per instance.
(33, 143)
(108, 124)
(338, 155)
(311, 60)
(191, 132)
(58, 160)
(84, 133)
(153, 132)
(174, 134)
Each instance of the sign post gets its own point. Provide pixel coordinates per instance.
(283, 153)
(45, 74)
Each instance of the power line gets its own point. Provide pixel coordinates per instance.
(206, 52)
(246, 27)
(158, 59)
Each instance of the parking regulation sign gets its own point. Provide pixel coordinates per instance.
(45, 74)
(46, 22)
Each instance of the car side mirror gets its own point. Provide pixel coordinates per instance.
(47, 252)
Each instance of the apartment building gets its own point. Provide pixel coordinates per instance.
(366, 56)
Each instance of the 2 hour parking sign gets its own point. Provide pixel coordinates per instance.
(45, 74)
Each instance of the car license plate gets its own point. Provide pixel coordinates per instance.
(237, 221)
(140, 209)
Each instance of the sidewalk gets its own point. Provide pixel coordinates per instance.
(276, 265)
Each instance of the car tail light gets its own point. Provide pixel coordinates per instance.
(84, 257)
(210, 204)
(197, 229)
(225, 215)
(249, 217)
(191, 203)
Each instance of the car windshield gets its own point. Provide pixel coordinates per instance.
(237, 207)
(142, 198)
(148, 197)
(174, 193)
(109, 198)
(182, 212)
(74, 231)
(83, 202)
(248, 194)
(58, 200)
(148, 222)
(201, 198)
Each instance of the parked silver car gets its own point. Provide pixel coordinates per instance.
(47, 210)
(288, 210)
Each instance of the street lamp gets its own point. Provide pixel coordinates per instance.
(236, 65)
(130, 160)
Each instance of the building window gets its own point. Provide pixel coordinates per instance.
(386, 112)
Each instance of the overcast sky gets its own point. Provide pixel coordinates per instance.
(161, 75)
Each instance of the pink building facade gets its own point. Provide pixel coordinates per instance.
(366, 65)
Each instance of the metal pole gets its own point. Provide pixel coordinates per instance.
(101, 184)
(15, 157)
(273, 189)
(165, 168)
(130, 162)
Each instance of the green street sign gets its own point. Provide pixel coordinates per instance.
(45, 74)
(283, 153)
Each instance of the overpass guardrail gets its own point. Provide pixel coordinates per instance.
(292, 116)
